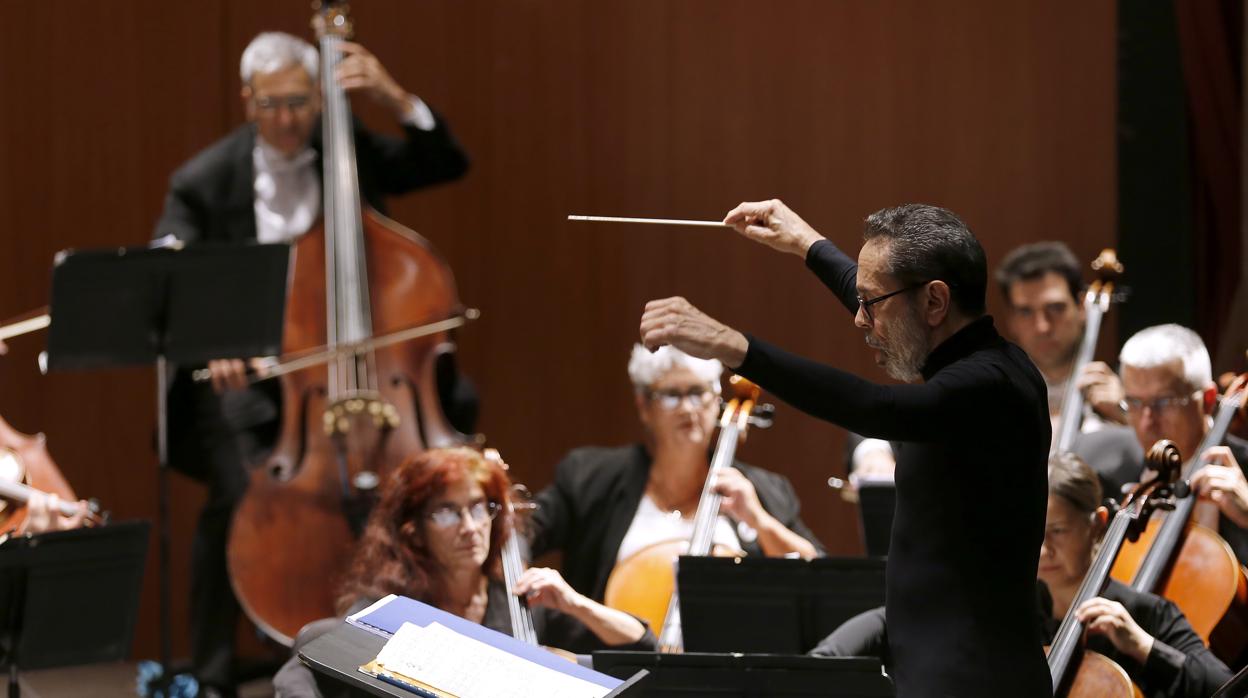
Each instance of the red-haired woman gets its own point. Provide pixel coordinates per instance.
(437, 535)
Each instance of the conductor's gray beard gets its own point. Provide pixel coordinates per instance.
(906, 349)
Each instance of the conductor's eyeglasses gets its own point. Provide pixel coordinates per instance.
(1135, 406)
(292, 102)
(452, 515)
(866, 303)
(671, 399)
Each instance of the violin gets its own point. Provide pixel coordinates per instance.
(26, 468)
(1092, 674)
(1192, 565)
(644, 584)
(363, 402)
(1096, 302)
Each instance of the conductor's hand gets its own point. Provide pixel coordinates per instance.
(359, 70)
(542, 586)
(773, 224)
(1102, 389)
(740, 500)
(1109, 618)
(676, 322)
(1222, 482)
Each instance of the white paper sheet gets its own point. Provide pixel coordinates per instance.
(468, 668)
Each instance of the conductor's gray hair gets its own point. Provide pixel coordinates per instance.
(1162, 344)
(270, 52)
(645, 367)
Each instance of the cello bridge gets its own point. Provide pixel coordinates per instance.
(343, 413)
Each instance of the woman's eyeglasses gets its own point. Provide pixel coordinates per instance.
(452, 515)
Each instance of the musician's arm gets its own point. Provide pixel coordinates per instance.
(423, 157)
(912, 412)
(1179, 661)
(542, 586)
(767, 503)
(184, 213)
(552, 519)
(836, 270)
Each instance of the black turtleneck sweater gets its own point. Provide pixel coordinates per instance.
(961, 571)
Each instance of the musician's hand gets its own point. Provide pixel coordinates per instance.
(1222, 482)
(773, 224)
(1104, 617)
(43, 514)
(542, 586)
(228, 374)
(1102, 389)
(740, 500)
(677, 322)
(359, 70)
(4, 348)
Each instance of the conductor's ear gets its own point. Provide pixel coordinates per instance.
(937, 302)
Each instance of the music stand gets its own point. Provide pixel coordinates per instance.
(135, 306)
(772, 605)
(83, 588)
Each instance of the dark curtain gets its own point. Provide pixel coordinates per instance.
(1210, 39)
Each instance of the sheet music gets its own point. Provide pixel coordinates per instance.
(468, 668)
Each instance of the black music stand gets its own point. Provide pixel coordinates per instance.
(772, 605)
(70, 597)
(749, 675)
(136, 306)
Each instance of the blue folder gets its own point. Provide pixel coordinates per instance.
(394, 611)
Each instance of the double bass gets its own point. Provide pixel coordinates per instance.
(1192, 565)
(355, 276)
(644, 584)
(1089, 674)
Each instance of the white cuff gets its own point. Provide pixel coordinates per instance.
(419, 115)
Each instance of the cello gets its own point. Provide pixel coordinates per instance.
(1192, 565)
(344, 423)
(1093, 674)
(1096, 301)
(644, 584)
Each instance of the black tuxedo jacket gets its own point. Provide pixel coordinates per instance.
(211, 196)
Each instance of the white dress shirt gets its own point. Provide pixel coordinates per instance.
(288, 189)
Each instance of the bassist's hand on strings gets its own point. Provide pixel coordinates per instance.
(774, 225)
(1102, 389)
(1222, 482)
(360, 71)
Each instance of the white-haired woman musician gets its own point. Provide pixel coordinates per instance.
(608, 504)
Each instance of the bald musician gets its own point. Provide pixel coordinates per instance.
(970, 396)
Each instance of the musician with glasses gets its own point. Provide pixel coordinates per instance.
(1169, 393)
(262, 182)
(437, 536)
(606, 504)
(972, 421)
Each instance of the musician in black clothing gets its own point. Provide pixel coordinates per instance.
(960, 580)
